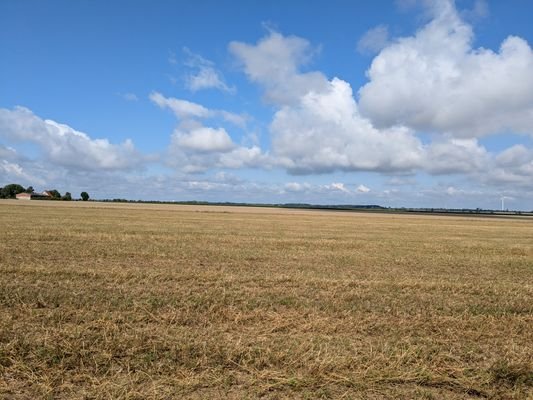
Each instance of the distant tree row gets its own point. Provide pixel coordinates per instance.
(10, 192)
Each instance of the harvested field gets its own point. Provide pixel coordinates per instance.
(105, 301)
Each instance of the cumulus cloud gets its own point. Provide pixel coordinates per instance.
(456, 156)
(204, 148)
(225, 177)
(14, 172)
(245, 157)
(479, 11)
(65, 146)
(204, 75)
(332, 191)
(181, 108)
(317, 127)
(204, 139)
(196, 148)
(363, 189)
(452, 191)
(433, 81)
(8, 153)
(239, 120)
(514, 156)
(338, 186)
(206, 78)
(274, 62)
(513, 166)
(436, 81)
(184, 109)
(325, 132)
(373, 40)
(296, 187)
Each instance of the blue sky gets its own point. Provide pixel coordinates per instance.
(398, 103)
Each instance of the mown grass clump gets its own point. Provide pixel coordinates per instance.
(504, 373)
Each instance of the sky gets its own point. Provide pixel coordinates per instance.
(401, 103)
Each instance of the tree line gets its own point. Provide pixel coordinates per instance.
(10, 192)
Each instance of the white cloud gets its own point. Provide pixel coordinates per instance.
(204, 139)
(452, 191)
(206, 78)
(513, 166)
(225, 177)
(456, 156)
(205, 75)
(235, 119)
(479, 11)
(514, 156)
(296, 187)
(196, 148)
(8, 153)
(374, 40)
(325, 132)
(275, 63)
(185, 110)
(10, 168)
(435, 81)
(338, 186)
(182, 108)
(363, 189)
(245, 157)
(14, 172)
(63, 145)
(193, 161)
(317, 127)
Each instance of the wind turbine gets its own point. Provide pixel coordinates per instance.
(503, 198)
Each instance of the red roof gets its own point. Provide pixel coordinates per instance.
(30, 195)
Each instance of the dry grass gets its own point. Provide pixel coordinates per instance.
(158, 302)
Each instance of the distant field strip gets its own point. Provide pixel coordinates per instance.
(107, 301)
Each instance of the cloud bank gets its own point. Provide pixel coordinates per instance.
(430, 101)
(436, 81)
(64, 146)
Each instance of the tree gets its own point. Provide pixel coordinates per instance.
(10, 191)
(30, 189)
(67, 197)
(55, 194)
(84, 196)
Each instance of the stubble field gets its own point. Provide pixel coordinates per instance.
(107, 301)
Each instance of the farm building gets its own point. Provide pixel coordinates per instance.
(34, 196)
